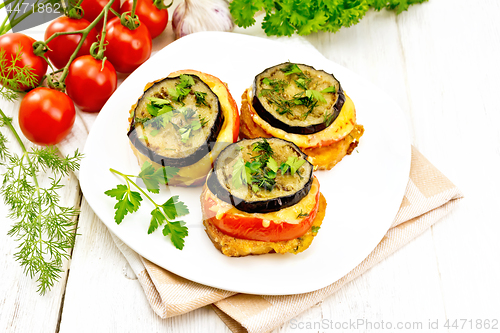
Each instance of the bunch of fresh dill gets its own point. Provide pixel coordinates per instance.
(44, 229)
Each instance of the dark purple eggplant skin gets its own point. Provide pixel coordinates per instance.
(304, 130)
(263, 206)
(177, 162)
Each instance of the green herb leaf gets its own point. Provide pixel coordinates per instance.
(165, 109)
(272, 164)
(153, 178)
(283, 18)
(239, 176)
(157, 219)
(330, 89)
(284, 168)
(128, 201)
(175, 208)
(186, 80)
(294, 164)
(315, 229)
(314, 94)
(291, 69)
(152, 110)
(177, 231)
(159, 101)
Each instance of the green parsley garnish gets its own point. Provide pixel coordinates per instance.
(239, 176)
(291, 69)
(261, 171)
(315, 229)
(182, 89)
(129, 201)
(330, 89)
(284, 18)
(308, 98)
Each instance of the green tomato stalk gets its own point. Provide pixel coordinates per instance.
(40, 47)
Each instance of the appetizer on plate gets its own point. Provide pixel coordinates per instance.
(303, 105)
(183, 121)
(262, 197)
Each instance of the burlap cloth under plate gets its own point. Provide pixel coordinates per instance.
(429, 196)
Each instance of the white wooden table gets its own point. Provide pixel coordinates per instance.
(440, 62)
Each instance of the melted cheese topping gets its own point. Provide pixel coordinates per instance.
(285, 215)
(341, 127)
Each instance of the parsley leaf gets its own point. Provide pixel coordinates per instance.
(314, 94)
(153, 178)
(128, 201)
(157, 219)
(272, 164)
(152, 110)
(182, 89)
(186, 80)
(291, 69)
(177, 231)
(175, 208)
(172, 209)
(330, 89)
(159, 101)
(294, 164)
(283, 18)
(239, 175)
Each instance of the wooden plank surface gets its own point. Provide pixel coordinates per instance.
(438, 61)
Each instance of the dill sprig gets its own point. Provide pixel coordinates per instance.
(44, 228)
(12, 76)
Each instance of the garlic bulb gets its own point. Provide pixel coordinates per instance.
(201, 15)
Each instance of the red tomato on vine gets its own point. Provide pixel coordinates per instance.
(46, 116)
(127, 49)
(62, 47)
(92, 9)
(13, 44)
(149, 14)
(89, 84)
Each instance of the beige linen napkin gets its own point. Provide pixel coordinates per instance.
(429, 196)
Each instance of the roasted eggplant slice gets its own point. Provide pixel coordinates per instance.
(261, 175)
(297, 98)
(176, 121)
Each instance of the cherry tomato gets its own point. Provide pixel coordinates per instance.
(92, 9)
(89, 84)
(19, 43)
(127, 49)
(46, 116)
(63, 46)
(248, 226)
(155, 19)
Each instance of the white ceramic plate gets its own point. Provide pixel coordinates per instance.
(363, 192)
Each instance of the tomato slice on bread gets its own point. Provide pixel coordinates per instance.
(289, 223)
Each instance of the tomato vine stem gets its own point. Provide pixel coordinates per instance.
(59, 84)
